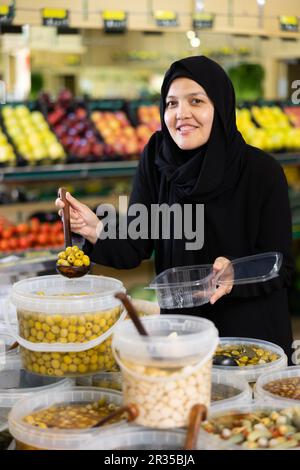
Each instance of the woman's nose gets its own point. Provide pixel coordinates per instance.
(183, 111)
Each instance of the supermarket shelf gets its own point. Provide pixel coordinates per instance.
(71, 171)
(34, 261)
(87, 170)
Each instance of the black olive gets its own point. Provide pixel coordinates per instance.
(221, 360)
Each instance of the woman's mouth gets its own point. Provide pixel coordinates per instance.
(185, 129)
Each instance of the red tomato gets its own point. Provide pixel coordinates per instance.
(42, 239)
(3, 245)
(7, 233)
(22, 229)
(31, 239)
(57, 226)
(34, 225)
(46, 227)
(23, 243)
(13, 243)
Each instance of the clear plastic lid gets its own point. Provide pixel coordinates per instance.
(171, 337)
(191, 286)
(229, 389)
(139, 438)
(59, 439)
(53, 294)
(290, 379)
(252, 372)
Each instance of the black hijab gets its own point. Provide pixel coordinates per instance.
(204, 173)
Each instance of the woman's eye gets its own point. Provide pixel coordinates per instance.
(170, 104)
(197, 101)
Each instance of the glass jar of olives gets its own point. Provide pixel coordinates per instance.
(65, 325)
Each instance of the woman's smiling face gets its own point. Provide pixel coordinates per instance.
(188, 114)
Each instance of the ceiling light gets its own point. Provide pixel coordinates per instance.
(195, 42)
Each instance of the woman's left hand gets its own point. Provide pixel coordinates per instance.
(223, 264)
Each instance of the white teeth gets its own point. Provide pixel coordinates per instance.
(185, 128)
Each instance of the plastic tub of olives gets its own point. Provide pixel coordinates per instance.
(8, 347)
(15, 384)
(63, 420)
(279, 388)
(108, 380)
(229, 389)
(65, 325)
(248, 357)
(131, 437)
(256, 426)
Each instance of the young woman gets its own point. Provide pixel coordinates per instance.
(199, 157)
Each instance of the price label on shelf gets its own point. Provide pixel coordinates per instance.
(115, 21)
(7, 14)
(289, 23)
(203, 20)
(166, 18)
(55, 17)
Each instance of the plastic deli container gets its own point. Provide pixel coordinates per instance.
(145, 307)
(6, 342)
(136, 438)
(252, 372)
(283, 387)
(230, 389)
(108, 380)
(258, 437)
(169, 371)
(191, 286)
(30, 437)
(65, 325)
(16, 383)
(5, 290)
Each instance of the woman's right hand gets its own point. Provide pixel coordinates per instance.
(83, 220)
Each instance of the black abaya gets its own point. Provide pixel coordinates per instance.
(246, 210)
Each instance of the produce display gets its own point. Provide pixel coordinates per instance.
(286, 388)
(242, 355)
(259, 429)
(7, 154)
(31, 135)
(119, 135)
(293, 113)
(268, 128)
(73, 416)
(42, 328)
(34, 234)
(165, 394)
(74, 129)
